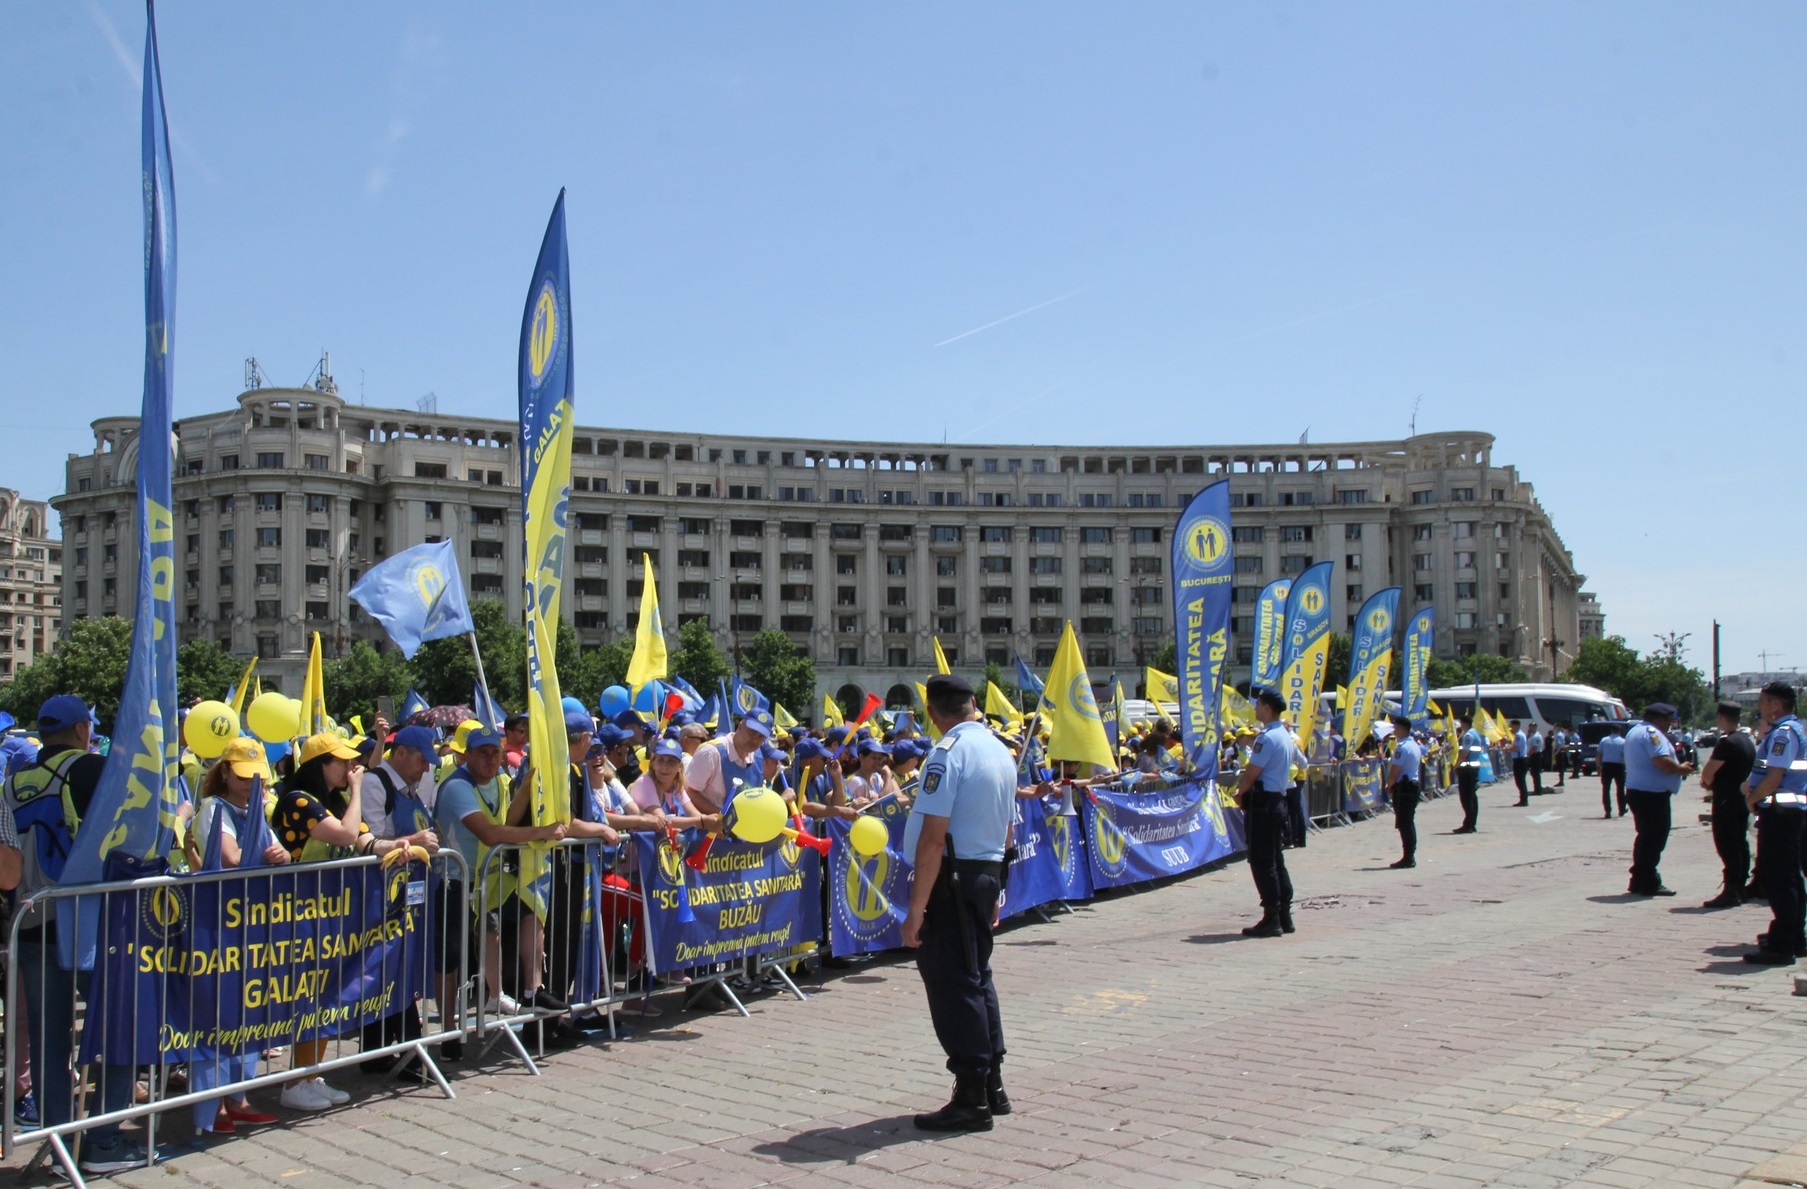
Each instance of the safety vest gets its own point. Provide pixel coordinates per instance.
(747, 775)
(501, 884)
(44, 808)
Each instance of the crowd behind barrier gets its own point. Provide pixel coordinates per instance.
(317, 967)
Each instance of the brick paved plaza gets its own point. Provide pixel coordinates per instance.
(1502, 1015)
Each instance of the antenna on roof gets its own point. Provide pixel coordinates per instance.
(1415, 403)
(254, 375)
(428, 403)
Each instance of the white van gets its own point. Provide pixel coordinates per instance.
(1548, 704)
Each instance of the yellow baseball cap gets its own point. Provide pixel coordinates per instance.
(246, 755)
(325, 744)
(463, 733)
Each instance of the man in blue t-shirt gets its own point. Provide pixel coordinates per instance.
(1403, 790)
(1652, 778)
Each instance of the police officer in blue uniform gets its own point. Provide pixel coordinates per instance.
(1612, 772)
(1261, 791)
(1779, 786)
(959, 836)
(1521, 762)
(1403, 790)
(1468, 776)
(1652, 778)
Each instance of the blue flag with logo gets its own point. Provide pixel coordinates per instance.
(1027, 683)
(484, 708)
(1203, 565)
(747, 699)
(1420, 637)
(417, 595)
(1270, 634)
(133, 813)
(412, 705)
(1133, 837)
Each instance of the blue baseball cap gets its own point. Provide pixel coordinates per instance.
(759, 721)
(482, 737)
(609, 736)
(578, 722)
(420, 738)
(63, 712)
(772, 751)
(628, 720)
(810, 749)
(872, 747)
(668, 747)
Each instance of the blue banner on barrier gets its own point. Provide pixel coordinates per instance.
(1361, 786)
(1134, 837)
(1036, 877)
(748, 900)
(255, 963)
(868, 897)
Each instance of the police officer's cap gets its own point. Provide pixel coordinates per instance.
(1659, 710)
(946, 686)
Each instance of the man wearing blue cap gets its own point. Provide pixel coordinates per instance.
(47, 802)
(395, 797)
(728, 763)
(1652, 778)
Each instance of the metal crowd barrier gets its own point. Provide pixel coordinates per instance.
(106, 1093)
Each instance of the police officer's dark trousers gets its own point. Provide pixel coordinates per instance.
(1264, 818)
(1297, 823)
(1650, 814)
(1468, 783)
(1611, 776)
(1779, 832)
(955, 964)
(1519, 768)
(1731, 838)
(1405, 816)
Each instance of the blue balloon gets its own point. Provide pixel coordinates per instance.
(613, 701)
(573, 705)
(650, 698)
(275, 751)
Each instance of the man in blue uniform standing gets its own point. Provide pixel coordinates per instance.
(1261, 791)
(1534, 757)
(959, 836)
(1521, 762)
(1468, 776)
(1652, 778)
(1403, 791)
(1779, 785)
(1612, 771)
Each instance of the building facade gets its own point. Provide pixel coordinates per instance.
(31, 582)
(861, 551)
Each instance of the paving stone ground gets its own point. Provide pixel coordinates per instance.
(1501, 1015)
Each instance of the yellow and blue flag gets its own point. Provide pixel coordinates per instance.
(649, 661)
(1203, 569)
(417, 595)
(1370, 664)
(1270, 634)
(546, 424)
(1075, 728)
(999, 706)
(132, 815)
(313, 692)
(831, 712)
(940, 657)
(1305, 648)
(1162, 687)
(747, 700)
(1420, 637)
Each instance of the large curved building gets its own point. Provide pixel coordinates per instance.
(862, 551)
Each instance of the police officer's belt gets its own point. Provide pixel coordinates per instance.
(1259, 799)
(978, 866)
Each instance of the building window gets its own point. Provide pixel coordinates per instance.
(944, 596)
(847, 563)
(1351, 495)
(269, 574)
(1353, 592)
(1048, 535)
(1352, 532)
(1466, 590)
(1295, 563)
(1421, 532)
(1090, 565)
(947, 567)
(1424, 495)
(319, 504)
(1248, 565)
(228, 462)
(270, 460)
(1462, 495)
(1465, 561)
(267, 501)
(1248, 534)
(1290, 533)
(945, 533)
(1095, 536)
(314, 575)
(1462, 528)
(269, 538)
(1422, 592)
(1045, 565)
(317, 462)
(226, 538)
(1352, 561)
(1421, 562)
(1145, 536)
(433, 509)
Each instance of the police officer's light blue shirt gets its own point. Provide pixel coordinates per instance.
(1785, 748)
(969, 779)
(1643, 745)
(1273, 754)
(1519, 746)
(1408, 758)
(1612, 749)
(1534, 743)
(1472, 746)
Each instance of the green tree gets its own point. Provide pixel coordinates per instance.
(1449, 672)
(1166, 659)
(994, 673)
(204, 670)
(697, 660)
(601, 667)
(779, 669)
(90, 662)
(1611, 664)
(446, 673)
(356, 680)
(1336, 664)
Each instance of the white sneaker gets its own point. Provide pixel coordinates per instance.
(502, 1005)
(304, 1096)
(332, 1094)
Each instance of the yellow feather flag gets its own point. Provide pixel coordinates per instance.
(940, 658)
(313, 693)
(1237, 708)
(649, 662)
(1162, 687)
(998, 706)
(1075, 730)
(243, 689)
(1342, 696)
(782, 718)
(831, 712)
(922, 691)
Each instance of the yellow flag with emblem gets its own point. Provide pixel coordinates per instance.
(1237, 708)
(783, 719)
(940, 657)
(649, 662)
(313, 692)
(1162, 687)
(928, 723)
(1075, 730)
(998, 706)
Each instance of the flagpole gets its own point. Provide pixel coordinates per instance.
(482, 680)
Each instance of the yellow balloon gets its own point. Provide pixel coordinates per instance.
(209, 727)
(757, 815)
(273, 717)
(869, 837)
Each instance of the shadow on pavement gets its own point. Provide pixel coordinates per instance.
(1218, 938)
(826, 1145)
(1619, 898)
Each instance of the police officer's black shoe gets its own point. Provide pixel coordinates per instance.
(1726, 899)
(1768, 957)
(995, 1098)
(1286, 919)
(1267, 926)
(1402, 864)
(966, 1111)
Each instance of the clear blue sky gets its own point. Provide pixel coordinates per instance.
(1578, 227)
